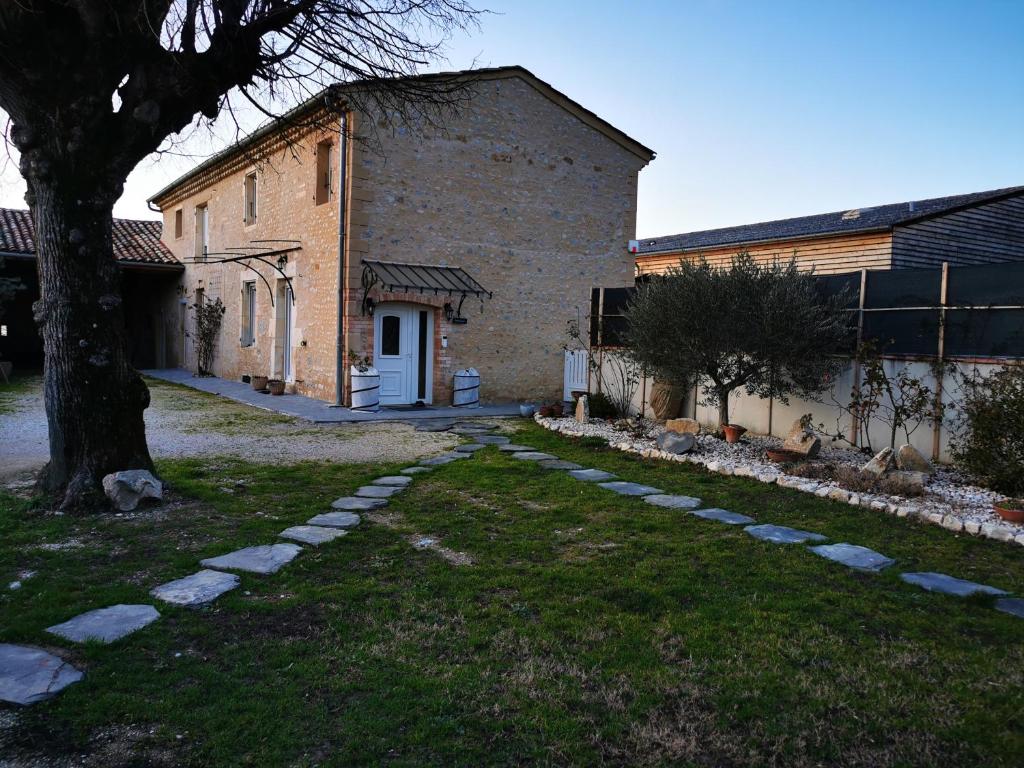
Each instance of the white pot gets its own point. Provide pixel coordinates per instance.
(365, 389)
(466, 393)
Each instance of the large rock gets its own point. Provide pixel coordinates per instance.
(801, 439)
(583, 409)
(29, 675)
(666, 399)
(683, 426)
(127, 488)
(880, 464)
(913, 481)
(911, 460)
(676, 442)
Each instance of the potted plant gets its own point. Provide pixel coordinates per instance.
(733, 432)
(526, 410)
(275, 386)
(259, 383)
(365, 391)
(1011, 510)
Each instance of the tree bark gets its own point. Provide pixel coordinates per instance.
(94, 398)
(723, 407)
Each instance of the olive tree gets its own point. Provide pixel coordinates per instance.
(761, 327)
(91, 88)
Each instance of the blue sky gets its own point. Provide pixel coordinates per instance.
(762, 110)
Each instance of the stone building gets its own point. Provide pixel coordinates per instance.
(423, 249)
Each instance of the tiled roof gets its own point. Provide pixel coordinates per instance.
(880, 217)
(135, 241)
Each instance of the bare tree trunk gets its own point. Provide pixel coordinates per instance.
(723, 407)
(94, 398)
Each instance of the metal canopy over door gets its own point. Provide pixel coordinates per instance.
(402, 352)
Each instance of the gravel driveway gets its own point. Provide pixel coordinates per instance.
(183, 422)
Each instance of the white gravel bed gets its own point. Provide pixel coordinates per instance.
(948, 500)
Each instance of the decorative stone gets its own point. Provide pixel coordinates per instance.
(948, 585)
(676, 442)
(335, 520)
(672, 502)
(683, 426)
(126, 489)
(513, 448)
(414, 470)
(377, 491)
(781, 534)
(469, 448)
(394, 480)
(263, 558)
(591, 475)
(838, 494)
(583, 409)
(722, 516)
(312, 534)
(880, 464)
(533, 456)
(914, 480)
(854, 556)
(910, 459)
(358, 503)
(30, 675)
(437, 461)
(493, 440)
(630, 489)
(801, 439)
(558, 464)
(106, 624)
(197, 589)
(1011, 605)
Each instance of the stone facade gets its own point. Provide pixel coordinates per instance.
(528, 193)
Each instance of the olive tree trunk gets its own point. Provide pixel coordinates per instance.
(94, 398)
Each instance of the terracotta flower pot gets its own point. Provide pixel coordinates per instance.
(783, 455)
(259, 383)
(733, 432)
(276, 386)
(1012, 510)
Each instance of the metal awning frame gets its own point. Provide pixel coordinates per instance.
(229, 256)
(395, 277)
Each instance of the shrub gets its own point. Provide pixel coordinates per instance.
(990, 447)
(601, 406)
(854, 479)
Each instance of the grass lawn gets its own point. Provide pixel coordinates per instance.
(591, 628)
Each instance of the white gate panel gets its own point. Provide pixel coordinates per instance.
(577, 372)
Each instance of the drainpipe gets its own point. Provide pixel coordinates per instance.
(339, 374)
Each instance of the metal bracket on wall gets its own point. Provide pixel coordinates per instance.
(275, 258)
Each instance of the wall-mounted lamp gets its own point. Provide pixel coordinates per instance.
(449, 311)
(282, 261)
(370, 304)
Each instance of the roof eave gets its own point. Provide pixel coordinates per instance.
(767, 241)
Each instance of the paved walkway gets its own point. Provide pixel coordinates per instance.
(317, 411)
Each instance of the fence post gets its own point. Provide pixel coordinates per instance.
(940, 367)
(854, 421)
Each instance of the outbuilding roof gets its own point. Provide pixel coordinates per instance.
(876, 218)
(135, 241)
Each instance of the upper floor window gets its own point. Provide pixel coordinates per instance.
(178, 223)
(324, 172)
(250, 198)
(202, 231)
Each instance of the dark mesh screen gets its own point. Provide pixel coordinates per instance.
(904, 332)
(986, 286)
(985, 333)
(903, 288)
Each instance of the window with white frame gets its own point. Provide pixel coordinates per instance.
(248, 313)
(250, 199)
(202, 231)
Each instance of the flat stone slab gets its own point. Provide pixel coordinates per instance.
(106, 624)
(29, 675)
(312, 534)
(358, 503)
(470, 430)
(197, 589)
(672, 502)
(1011, 605)
(514, 448)
(631, 489)
(476, 425)
(335, 520)
(591, 475)
(493, 440)
(399, 481)
(534, 456)
(559, 464)
(781, 534)
(377, 491)
(948, 585)
(263, 558)
(722, 516)
(854, 556)
(435, 426)
(438, 461)
(414, 470)
(469, 448)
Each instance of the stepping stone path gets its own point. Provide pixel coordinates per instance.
(854, 556)
(30, 675)
(631, 489)
(106, 624)
(513, 448)
(722, 516)
(781, 534)
(437, 461)
(591, 475)
(414, 470)
(1011, 605)
(312, 534)
(197, 589)
(435, 426)
(263, 559)
(377, 491)
(493, 440)
(336, 519)
(481, 425)
(469, 431)
(469, 448)
(534, 456)
(559, 464)
(398, 481)
(672, 502)
(948, 585)
(358, 503)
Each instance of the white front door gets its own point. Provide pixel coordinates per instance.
(402, 352)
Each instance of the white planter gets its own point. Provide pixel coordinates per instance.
(365, 389)
(466, 393)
